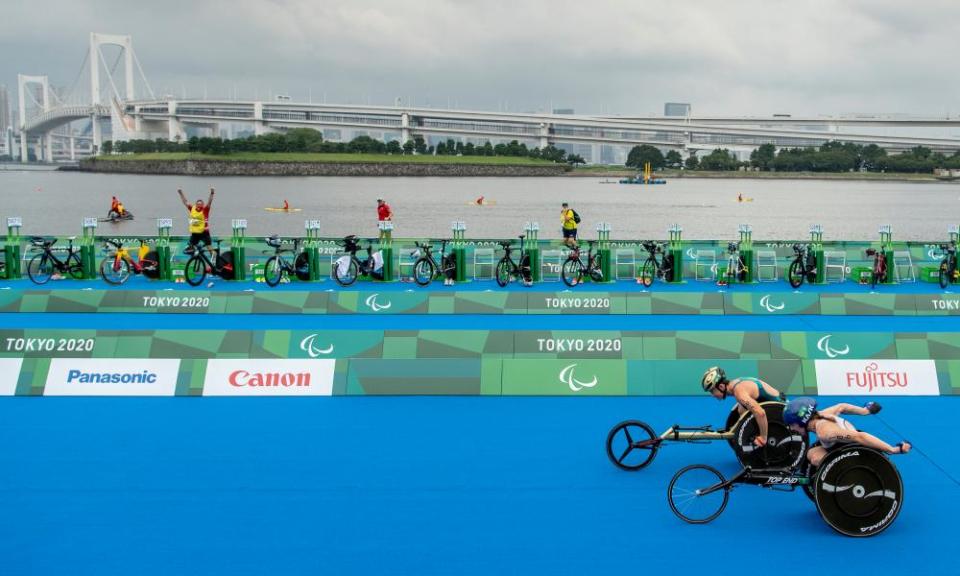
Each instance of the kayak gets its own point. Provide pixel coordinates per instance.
(271, 209)
(485, 203)
(114, 218)
(744, 200)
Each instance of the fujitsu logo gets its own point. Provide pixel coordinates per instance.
(872, 377)
(568, 377)
(823, 345)
(766, 305)
(242, 378)
(372, 303)
(308, 345)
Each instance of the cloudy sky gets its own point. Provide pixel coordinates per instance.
(611, 56)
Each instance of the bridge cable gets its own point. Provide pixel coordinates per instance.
(143, 76)
(83, 65)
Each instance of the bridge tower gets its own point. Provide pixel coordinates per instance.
(96, 59)
(22, 82)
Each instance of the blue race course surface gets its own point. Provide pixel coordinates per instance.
(365, 485)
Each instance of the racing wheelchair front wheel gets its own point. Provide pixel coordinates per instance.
(688, 498)
(631, 445)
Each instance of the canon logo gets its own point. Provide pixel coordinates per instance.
(871, 377)
(242, 378)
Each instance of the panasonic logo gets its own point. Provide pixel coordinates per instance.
(80, 377)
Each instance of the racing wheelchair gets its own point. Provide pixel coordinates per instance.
(857, 490)
(632, 444)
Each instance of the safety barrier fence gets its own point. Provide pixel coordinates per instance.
(468, 362)
(496, 302)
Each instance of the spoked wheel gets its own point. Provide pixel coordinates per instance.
(572, 272)
(647, 272)
(195, 271)
(40, 269)
(114, 271)
(596, 268)
(273, 271)
(504, 269)
(631, 445)
(785, 448)
(859, 492)
(795, 273)
(689, 497)
(423, 271)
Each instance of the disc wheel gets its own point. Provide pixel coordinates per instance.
(784, 449)
(795, 274)
(301, 266)
(686, 497)
(225, 267)
(424, 271)
(632, 445)
(273, 271)
(150, 265)
(572, 272)
(114, 271)
(858, 491)
(74, 266)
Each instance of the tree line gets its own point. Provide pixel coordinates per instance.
(311, 141)
(833, 156)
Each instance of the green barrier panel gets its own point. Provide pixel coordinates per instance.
(832, 346)
(572, 302)
(938, 304)
(668, 345)
(588, 344)
(11, 249)
(238, 249)
(686, 303)
(676, 249)
(411, 344)
(378, 303)
(774, 303)
(461, 376)
(873, 304)
(924, 346)
(948, 375)
(317, 344)
(564, 378)
(532, 248)
(682, 377)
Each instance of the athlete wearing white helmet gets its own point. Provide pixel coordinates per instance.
(747, 391)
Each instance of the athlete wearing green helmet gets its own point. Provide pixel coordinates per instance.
(801, 415)
(749, 392)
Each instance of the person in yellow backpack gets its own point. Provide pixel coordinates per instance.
(199, 219)
(569, 219)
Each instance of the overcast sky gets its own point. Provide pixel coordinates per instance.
(611, 56)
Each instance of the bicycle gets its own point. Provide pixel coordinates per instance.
(42, 266)
(200, 263)
(654, 267)
(878, 272)
(426, 268)
(736, 268)
(507, 269)
(277, 266)
(857, 490)
(346, 269)
(803, 267)
(116, 267)
(574, 269)
(948, 266)
(785, 447)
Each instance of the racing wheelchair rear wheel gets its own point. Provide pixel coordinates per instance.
(785, 448)
(858, 491)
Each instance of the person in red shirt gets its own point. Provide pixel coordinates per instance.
(384, 213)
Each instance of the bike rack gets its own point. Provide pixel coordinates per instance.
(816, 244)
(312, 247)
(386, 249)
(532, 248)
(459, 229)
(11, 250)
(886, 242)
(746, 251)
(676, 248)
(164, 266)
(237, 241)
(88, 258)
(603, 248)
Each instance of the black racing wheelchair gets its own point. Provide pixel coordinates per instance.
(632, 444)
(857, 490)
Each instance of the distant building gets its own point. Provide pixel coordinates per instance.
(4, 109)
(676, 109)
(563, 111)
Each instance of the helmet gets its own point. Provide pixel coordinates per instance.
(713, 376)
(799, 411)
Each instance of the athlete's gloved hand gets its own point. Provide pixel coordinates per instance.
(760, 441)
(873, 407)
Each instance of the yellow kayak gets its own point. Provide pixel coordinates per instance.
(282, 209)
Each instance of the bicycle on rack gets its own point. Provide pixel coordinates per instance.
(117, 267)
(427, 268)
(878, 272)
(201, 263)
(803, 267)
(508, 269)
(736, 268)
(278, 266)
(347, 268)
(857, 490)
(632, 444)
(574, 269)
(948, 272)
(659, 264)
(43, 266)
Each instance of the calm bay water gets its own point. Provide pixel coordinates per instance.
(56, 202)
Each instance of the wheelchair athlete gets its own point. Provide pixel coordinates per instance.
(748, 392)
(801, 415)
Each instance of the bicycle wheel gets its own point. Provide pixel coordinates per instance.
(504, 271)
(40, 269)
(345, 274)
(795, 273)
(273, 271)
(423, 271)
(944, 274)
(631, 445)
(301, 266)
(572, 272)
(647, 272)
(150, 265)
(596, 268)
(74, 266)
(195, 271)
(225, 268)
(113, 271)
(686, 497)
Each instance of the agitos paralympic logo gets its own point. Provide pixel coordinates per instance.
(568, 377)
(309, 346)
(376, 306)
(824, 346)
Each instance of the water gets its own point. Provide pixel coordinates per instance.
(56, 202)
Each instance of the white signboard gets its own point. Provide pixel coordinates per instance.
(112, 377)
(281, 377)
(9, 373)
(877, 378)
